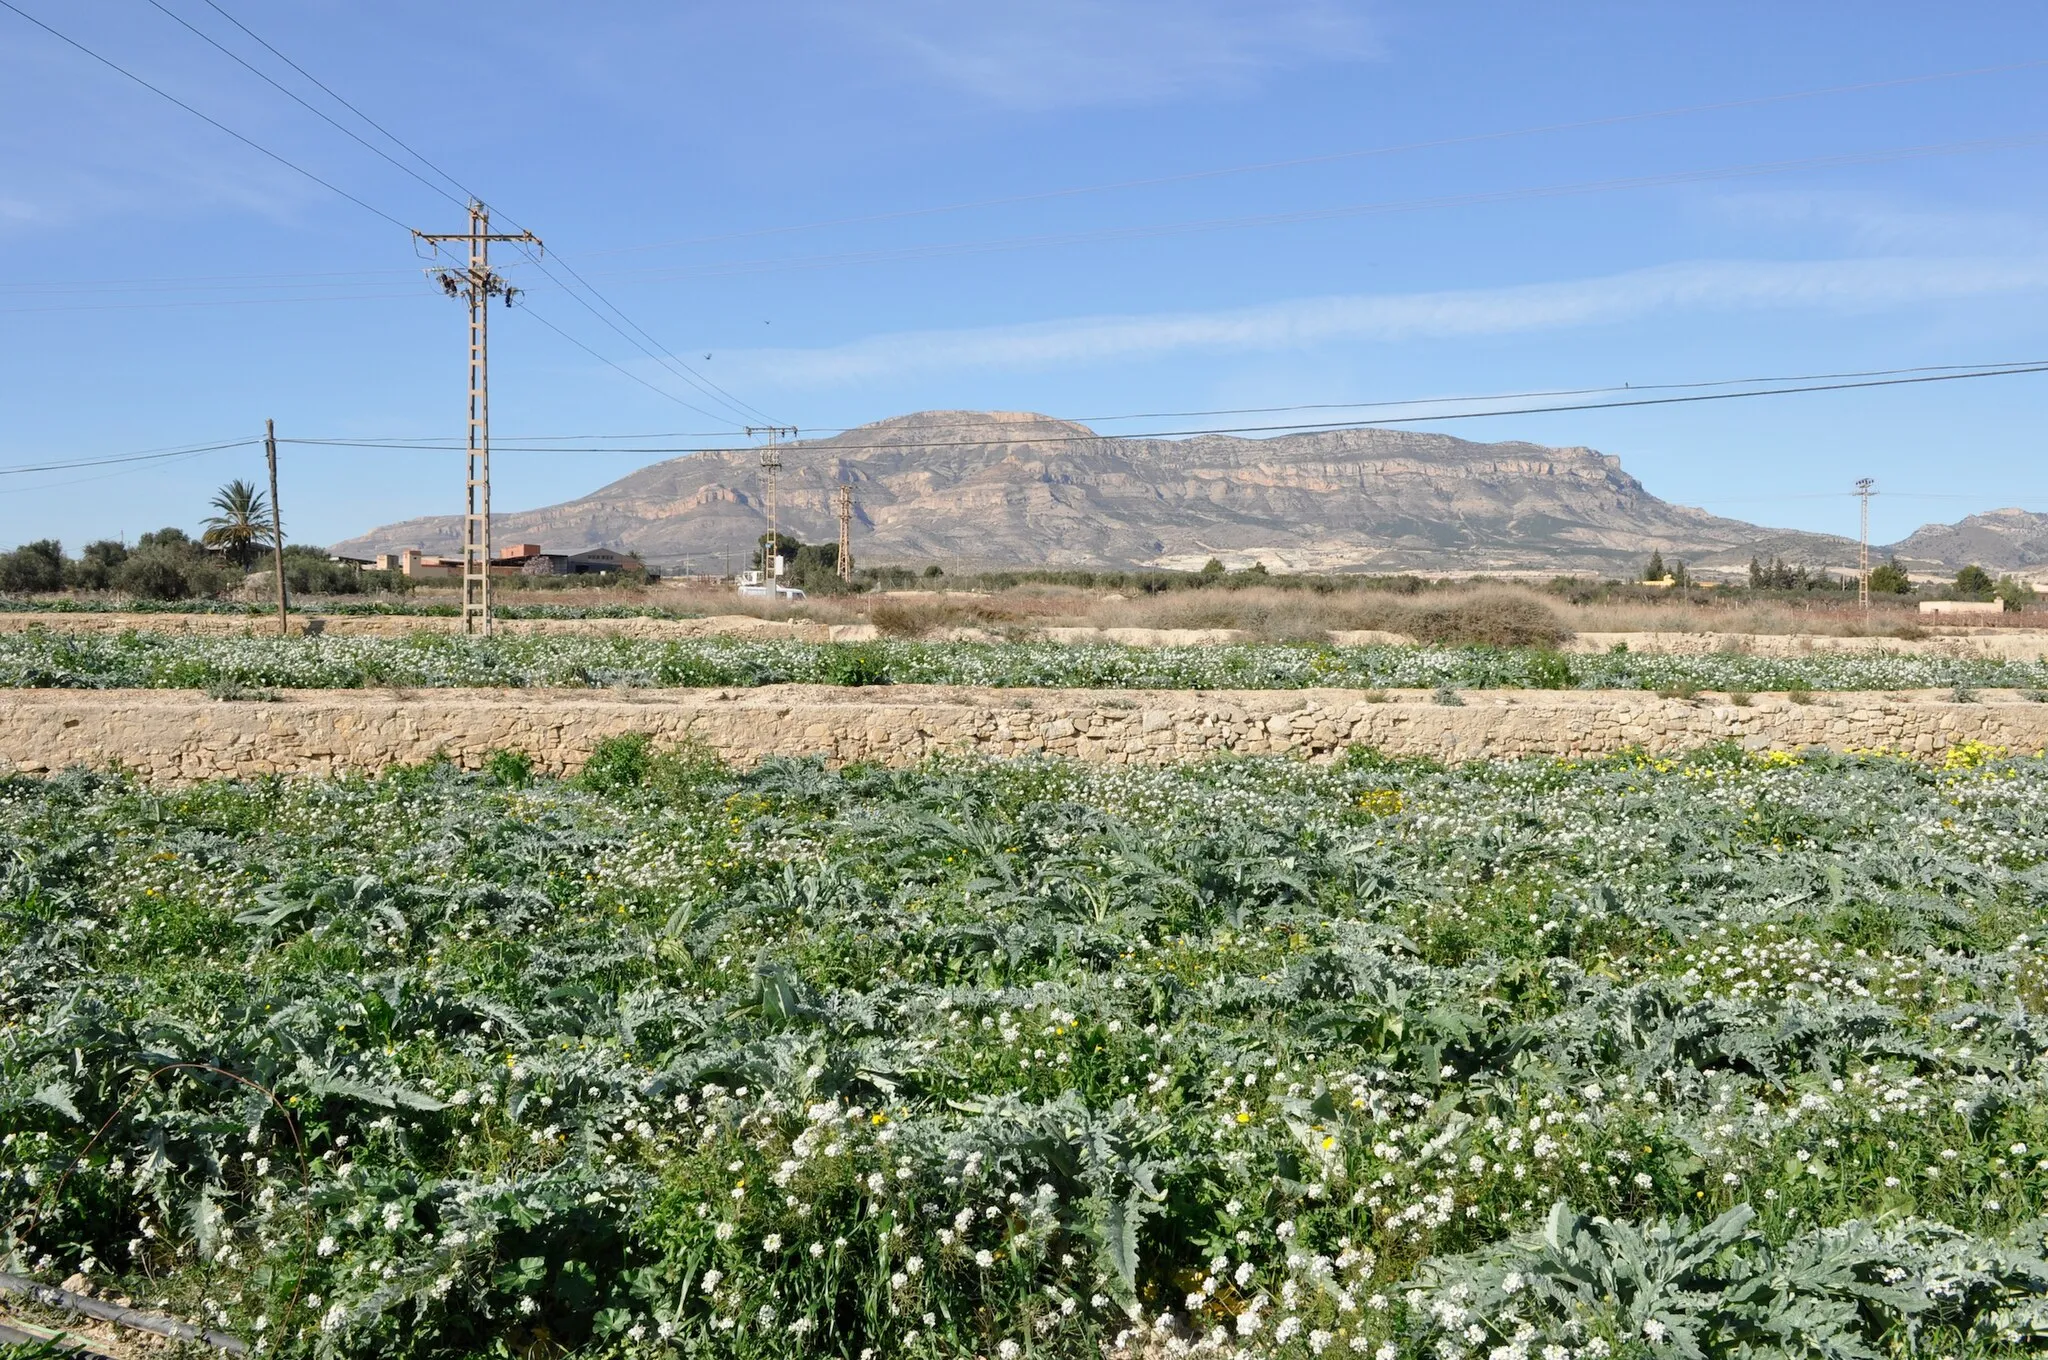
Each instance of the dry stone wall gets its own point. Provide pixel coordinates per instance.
(404, 625)
(181, 736)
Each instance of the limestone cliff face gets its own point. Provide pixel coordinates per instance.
(1003, 489)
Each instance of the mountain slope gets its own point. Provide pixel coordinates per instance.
(2001, 540)
(1006, 489)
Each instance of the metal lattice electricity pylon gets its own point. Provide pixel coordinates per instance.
(1865, 489)
(842, 502)
(478, 285)
(771, 464)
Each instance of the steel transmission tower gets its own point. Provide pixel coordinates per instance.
(477, 285)
(1865, 489)
(842, 502)
(771, 464)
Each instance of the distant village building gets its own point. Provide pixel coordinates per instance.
(414, 563)
(530, 560)
(518, 559)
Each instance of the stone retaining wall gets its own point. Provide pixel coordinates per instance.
(404, 625)
(182, 736)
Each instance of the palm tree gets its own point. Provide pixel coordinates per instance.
(243, 527)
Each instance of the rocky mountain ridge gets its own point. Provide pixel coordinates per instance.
(1004, 489)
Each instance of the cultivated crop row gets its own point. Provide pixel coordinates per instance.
(1722, 1056)
(45, 659)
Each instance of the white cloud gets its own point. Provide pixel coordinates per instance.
(1298, 324)
(1875, 222)
(79, 143)
(1044, 54)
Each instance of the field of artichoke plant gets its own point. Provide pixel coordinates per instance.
(60, 660)
(1720, 1056)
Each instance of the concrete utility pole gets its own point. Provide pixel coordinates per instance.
(276, 525)
(477, 285)
(1865, 489)
(771, 463)
(842, 501)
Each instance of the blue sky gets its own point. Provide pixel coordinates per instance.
(777, 187)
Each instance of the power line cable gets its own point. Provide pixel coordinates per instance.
(664, 355)
(827, 431)
(653, 350)
(214, 302)
(611, 363)
(2027, 364)
(323, 116)
(1431, 144)
(107, 476)
(193, 283)
(1320, 427)
(329, 92)
(1436, 143)
(213, 122)
(939, 249)
(664, 358)
(1941, 373)
(147, 456)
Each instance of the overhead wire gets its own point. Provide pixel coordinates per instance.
(653, 351)
(146, 456)
(1792, 387)
(257, 146)
(1673, 178)
(213, 302)
(249, 142)
(613, 363)
(659, 353)
(393, 137)
(1903, 377)
(323, 116)
(1564, 392)
(170, 461)
(652, 348)
(671, 364)
(191, 283)
(827, 431)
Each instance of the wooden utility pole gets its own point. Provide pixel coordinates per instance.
(771, 463)
(842, 501)
(1865, 489)
(276, 526)
(478, 285)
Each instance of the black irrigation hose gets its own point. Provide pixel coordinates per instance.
(14, 1332)
(150, 1321)
(134, 1319)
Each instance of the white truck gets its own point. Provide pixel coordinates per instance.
(757, 585)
